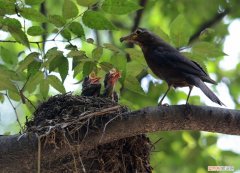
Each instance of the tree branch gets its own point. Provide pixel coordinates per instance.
(210, 23)
(22, 154)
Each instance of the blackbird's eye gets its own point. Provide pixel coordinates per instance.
(138, 31)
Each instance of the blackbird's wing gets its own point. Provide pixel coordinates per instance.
(174, 59)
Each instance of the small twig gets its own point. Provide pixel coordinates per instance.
(39, 155)
(15, 110)
(67, 24)
(105, 126)
(101, 112)
(70, 147)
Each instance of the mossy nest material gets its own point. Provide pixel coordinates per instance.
(68, 115)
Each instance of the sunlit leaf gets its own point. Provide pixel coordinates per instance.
(120, 6)
(26, 61)
(8, 56)
(57, 20)
(1, 98)
(34, 2)
(44, 88)
(7, 7)
(207, 49)
(35, 31)
(66, 34)
(34, 81)
(96, 20)
(56, 83)
(131, 83)
(77, 29)
(14, 27)
(119, 61)
(87, 3)
(111, 47)
(179, 31)
(88, 67)
(97, 53)
(106, 66)
(69, 9)
(32, 14)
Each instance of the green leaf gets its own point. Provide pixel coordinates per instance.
(61, 63)
(14, 27)
(7, 7)
(112, 47)
(33, 81)
(8, 56)
(96, 20)
(97, 53)
(120, 6)
(69, 9)
(56, 83)
(34, 2)
(136, 55)
(34, 67)
(88, 67)
(57, 20)
(63, 68)
(132, 84)
(87, 3)
(24, 63)
(119, 61)
(77, 29)
(179, 31)
(35, 31)
(14, 96)
(1, 98)
(50, 55)
(44, 88)
(66, 34)
(6, 84)
(206, 49)
(32, 14)
(106, 66)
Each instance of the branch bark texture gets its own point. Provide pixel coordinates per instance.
(21, 153)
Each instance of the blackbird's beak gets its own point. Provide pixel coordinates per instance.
(129, 38)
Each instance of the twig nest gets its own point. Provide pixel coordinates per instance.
(77, 116)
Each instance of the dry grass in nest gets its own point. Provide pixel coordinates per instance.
(66, 117)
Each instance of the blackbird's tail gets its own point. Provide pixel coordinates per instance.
(200, 84)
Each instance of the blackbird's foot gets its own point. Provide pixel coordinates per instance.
(188, 110)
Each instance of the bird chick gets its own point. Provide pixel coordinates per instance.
(91, 85)
(110, 80)
(170, 65)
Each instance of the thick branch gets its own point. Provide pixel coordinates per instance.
(22, 154)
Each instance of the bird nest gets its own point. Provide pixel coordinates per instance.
(66, 117)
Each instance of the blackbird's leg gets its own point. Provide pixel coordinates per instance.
(169, 87)
(190, 90)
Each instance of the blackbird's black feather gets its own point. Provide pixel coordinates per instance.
(170, 65)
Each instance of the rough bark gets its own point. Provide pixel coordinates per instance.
(20, 153)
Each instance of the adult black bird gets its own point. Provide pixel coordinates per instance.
(170, 65)
(109, 83)
(91, 85)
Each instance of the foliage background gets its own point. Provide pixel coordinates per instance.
(48, 45)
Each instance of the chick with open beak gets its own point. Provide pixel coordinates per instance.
(110, 80)
(91, 85)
